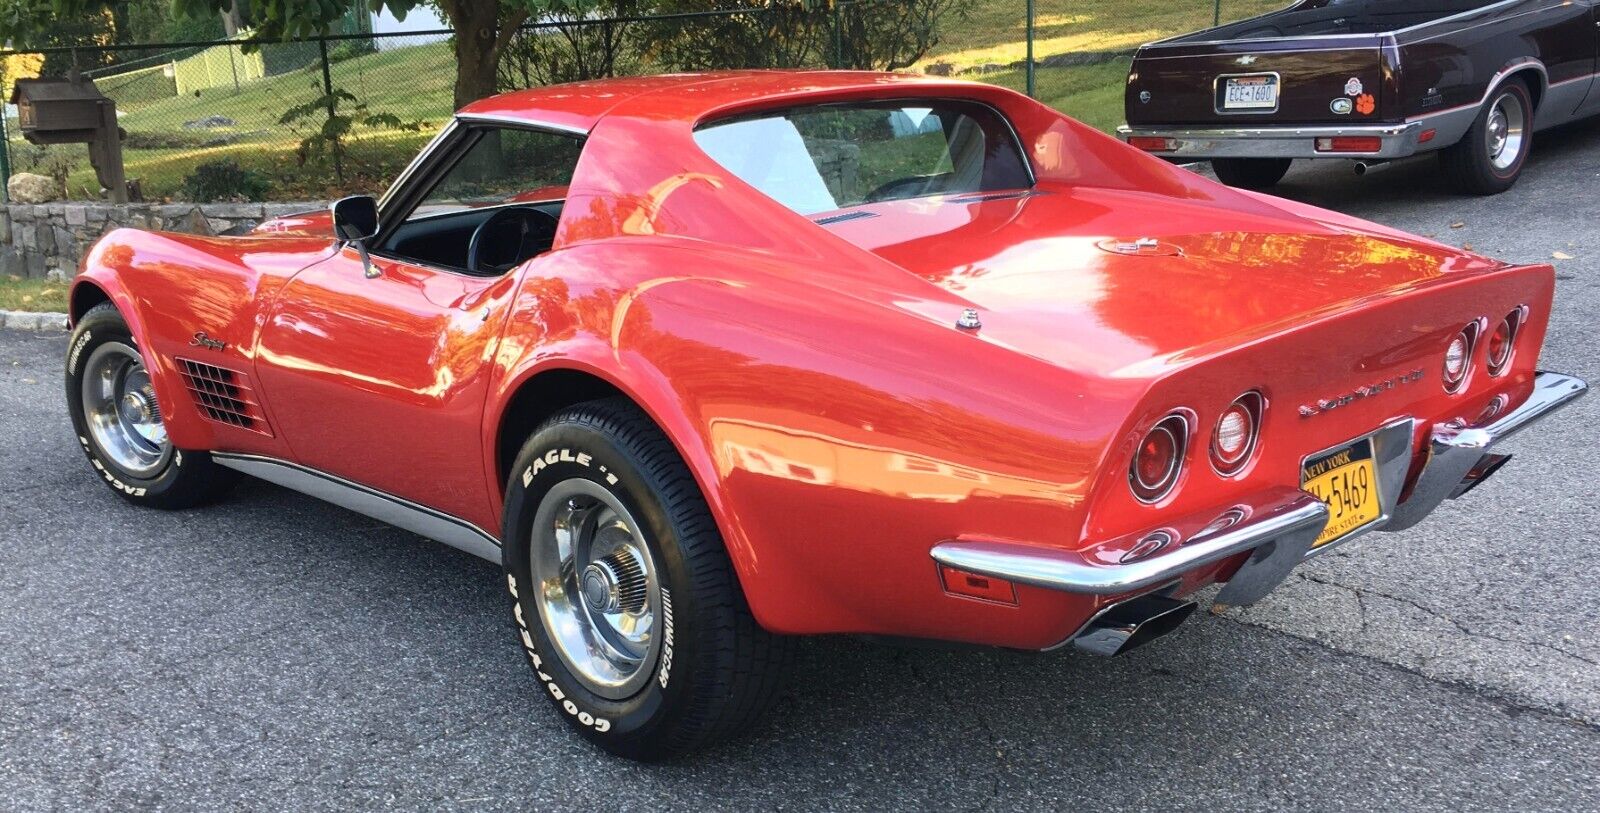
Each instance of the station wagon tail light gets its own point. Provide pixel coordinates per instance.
(1350, 144)
(1234, 438)
(1458, 358)
(1502, 342)
(1153, 143)
(1158, 460)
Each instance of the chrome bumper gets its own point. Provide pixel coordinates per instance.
(1281, 537)
(1397, 141)
(1459, 456)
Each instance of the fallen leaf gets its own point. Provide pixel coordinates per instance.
(1561, 255)
(1458, 224)
(1466, 246)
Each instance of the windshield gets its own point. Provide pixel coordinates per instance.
(833, 156)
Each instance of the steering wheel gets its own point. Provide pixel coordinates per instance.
(509, 237)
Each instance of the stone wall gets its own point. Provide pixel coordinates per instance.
(48, 239)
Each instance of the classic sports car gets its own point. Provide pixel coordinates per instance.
(1371, 80)
(710, 361)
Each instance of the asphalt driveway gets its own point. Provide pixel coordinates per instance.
(276, 652)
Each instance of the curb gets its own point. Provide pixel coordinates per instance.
(23, 320)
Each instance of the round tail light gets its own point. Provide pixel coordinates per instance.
(1235, 436)
(1502, 342)
(1458, 359)
(1159, 459)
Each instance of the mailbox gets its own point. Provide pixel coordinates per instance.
(72, 110)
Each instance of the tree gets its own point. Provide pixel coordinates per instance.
(483, 27)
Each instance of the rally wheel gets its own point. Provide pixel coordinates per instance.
(628, 607)
(1489, 158)
(120, 424)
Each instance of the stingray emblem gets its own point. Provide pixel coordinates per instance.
(202, 340)
(1247, 59)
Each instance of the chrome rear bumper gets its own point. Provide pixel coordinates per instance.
(1396, 140)
(1281, 536)
(1456, 451)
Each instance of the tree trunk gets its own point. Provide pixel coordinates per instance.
(476, 50)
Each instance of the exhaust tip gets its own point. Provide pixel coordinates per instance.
(1133, 623)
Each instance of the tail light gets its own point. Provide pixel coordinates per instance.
(1159, 459)
(1502, 342)
(1458, 358)
(1234, 438)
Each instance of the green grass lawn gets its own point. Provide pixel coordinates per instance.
(414, 84)
(18, 294)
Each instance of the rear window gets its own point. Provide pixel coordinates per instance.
(825, 157)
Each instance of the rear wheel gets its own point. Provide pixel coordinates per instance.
(1251, 173)
(628, 607)
(120, 423)
(1489, 158)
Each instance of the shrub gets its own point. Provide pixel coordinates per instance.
(223, 181)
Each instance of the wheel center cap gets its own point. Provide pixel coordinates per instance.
(600, 588)
(137, 408)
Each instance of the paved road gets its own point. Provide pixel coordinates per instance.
(278, 652)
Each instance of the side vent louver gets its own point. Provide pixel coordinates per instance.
(223, 395)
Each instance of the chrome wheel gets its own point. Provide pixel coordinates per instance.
(120, 408)
(597, 588)
(1507, 129)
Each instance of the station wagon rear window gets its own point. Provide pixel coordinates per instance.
(825, 157)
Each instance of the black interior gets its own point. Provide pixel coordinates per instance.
(1325, 17)
(443, 240)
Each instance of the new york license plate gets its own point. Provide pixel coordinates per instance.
(1346, 479)
(1258, 92)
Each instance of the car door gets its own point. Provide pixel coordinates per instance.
(380, 376)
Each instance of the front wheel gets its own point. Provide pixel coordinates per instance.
(626, 602)
(1251, 173)
(120, 424)
(1489, 158)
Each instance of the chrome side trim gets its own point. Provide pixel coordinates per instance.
(1067, 570)
(1398, 140)
(401, 513)
(1455, 448)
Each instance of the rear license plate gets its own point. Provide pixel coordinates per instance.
(1346, 479)
(1254, 92)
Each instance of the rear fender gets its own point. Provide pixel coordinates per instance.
(835, 440)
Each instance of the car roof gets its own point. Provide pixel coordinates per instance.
(578, 106)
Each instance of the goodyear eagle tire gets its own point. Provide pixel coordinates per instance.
(119, 423)
(628, 608)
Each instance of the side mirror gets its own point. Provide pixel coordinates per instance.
(355, 220)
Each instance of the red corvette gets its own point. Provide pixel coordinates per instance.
(710, 361)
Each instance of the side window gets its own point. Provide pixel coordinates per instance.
(496, 206)
(505, 166)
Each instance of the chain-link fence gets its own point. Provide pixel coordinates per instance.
(320, 118)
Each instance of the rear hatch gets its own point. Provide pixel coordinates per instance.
(1260, 83)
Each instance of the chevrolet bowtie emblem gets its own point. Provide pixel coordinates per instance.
(1246, 60)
